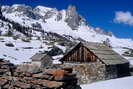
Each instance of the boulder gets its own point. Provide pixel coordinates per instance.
(55, 51)
(9, 44)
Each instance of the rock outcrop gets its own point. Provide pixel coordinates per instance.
(128, 53)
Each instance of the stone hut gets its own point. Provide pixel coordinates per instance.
(42, 60)
(95, 61)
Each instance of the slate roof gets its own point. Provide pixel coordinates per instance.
(40, 56)
(106, 54)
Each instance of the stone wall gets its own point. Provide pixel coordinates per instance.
(97, 71)
(12, 78)
(88, 72)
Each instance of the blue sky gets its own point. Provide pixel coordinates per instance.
(99, 13)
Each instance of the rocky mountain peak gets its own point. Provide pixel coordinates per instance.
(41, 10)
(71, 10)
(48, 26)
(73, 18)
(19, 10)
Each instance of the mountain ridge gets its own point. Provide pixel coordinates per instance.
(44, 22)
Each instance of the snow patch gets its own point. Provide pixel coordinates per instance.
(121, 83)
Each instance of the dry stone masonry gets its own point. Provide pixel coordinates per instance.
(88, 72)
(43, 79)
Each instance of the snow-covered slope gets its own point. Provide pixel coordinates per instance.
(22, 51)
(28, 16)
(120, 83)
(66, 23)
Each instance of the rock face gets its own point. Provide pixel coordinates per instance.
(50, 13)
(43, 79)
(59, 16)
(22, 9)
(73, 19)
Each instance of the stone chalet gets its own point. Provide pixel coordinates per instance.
(42, 60)
(95, 61)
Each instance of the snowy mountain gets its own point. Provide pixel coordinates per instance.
(41, 29)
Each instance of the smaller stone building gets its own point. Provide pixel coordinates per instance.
(42, 60)
(95, 61)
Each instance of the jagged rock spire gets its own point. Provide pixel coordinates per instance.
(73, 19)
(71, 11)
